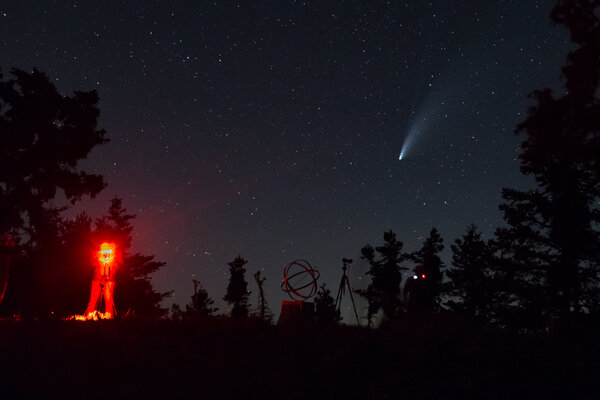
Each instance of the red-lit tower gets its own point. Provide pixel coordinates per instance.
(103, 284)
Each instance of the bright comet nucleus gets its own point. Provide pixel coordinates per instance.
(408, 140)
(401, 156)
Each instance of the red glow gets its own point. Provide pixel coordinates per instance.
(106, 254)
(423, 276)
(92, 316)
(102, 286)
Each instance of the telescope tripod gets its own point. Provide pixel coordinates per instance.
(345, 282)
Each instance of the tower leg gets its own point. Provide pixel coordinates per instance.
(95, 293)
(109, 302)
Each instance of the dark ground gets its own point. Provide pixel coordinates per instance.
(219, 359)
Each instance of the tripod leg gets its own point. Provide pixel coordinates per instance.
(340, 294)
(352, 299)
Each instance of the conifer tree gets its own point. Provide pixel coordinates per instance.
(262, 310)
(469, 277)
(43, 136)
(383, 293)
(237, 289)
(52, 278)
(326, 313)
(201, 306)
(549, 248)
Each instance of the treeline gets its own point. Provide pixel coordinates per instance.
(539, 272)
(202, 306)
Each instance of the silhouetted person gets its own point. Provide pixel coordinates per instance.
(419, 293)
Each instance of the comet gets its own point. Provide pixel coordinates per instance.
(401, 156)
(409, 140)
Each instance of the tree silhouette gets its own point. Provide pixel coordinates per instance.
(326, 313)
(52, 278)
(262, 310)
(386, 276)
(237, 289)
(424, 295)
(177, 313)
(73, 273)
(201, 306)
(518, 268)
(134, 292)
(43, 135)
(555, 226)
(468, 288)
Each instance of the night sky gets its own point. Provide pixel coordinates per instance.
(273, 129)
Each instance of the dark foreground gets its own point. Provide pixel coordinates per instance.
(224, 360)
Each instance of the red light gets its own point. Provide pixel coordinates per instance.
(106, 255)
(423, 276)
(102, 285)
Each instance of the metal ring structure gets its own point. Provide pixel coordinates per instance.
(292, 284)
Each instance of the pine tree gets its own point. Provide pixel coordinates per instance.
(202, 306)
(36, 284)
(76, 269)
(237, 289)
(468, 287)
(518, 295)
(326, 313)
(43, 136)
(383, 293)
(552, 231)
(262, 310)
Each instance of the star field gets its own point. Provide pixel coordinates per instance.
(273, 129)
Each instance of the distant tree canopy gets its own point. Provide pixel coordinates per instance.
(550, 248)
(43, 135)
(237, 289)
